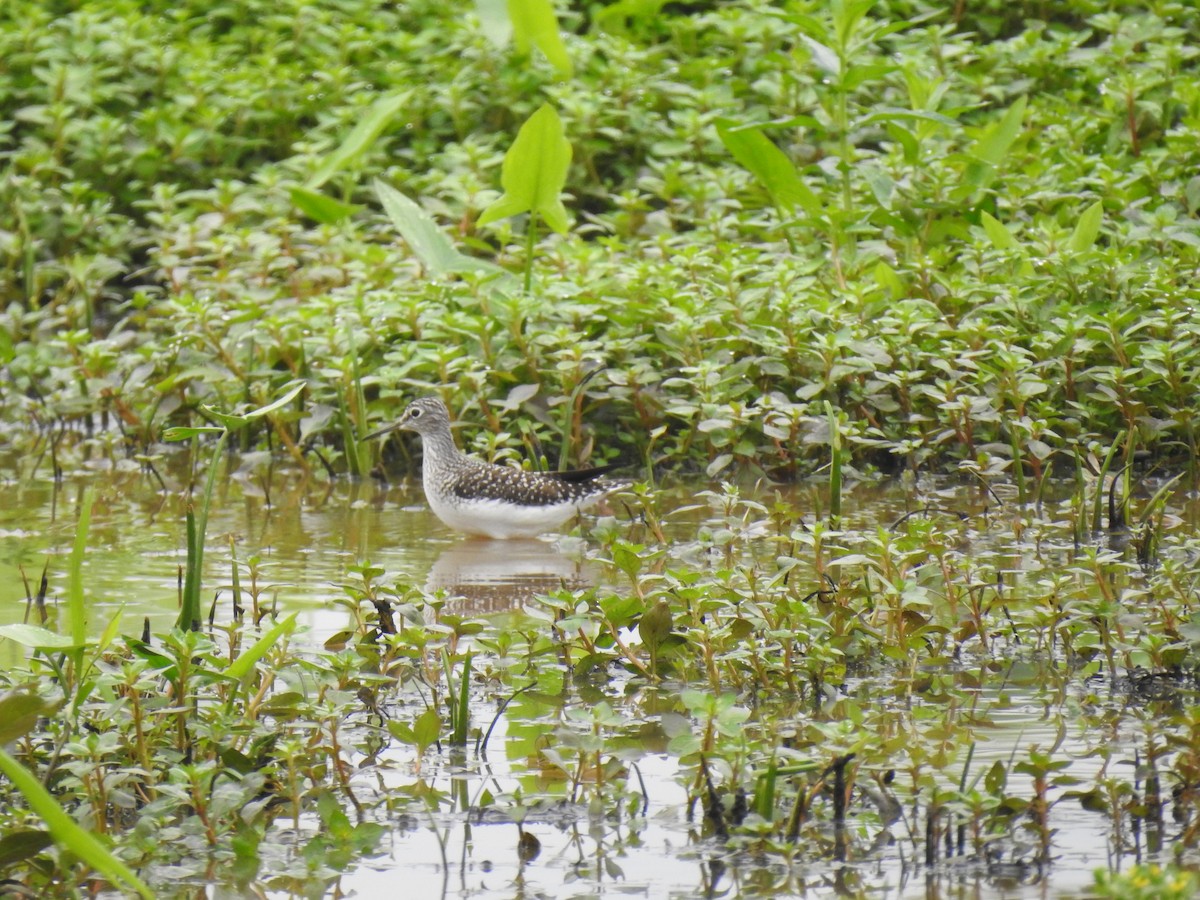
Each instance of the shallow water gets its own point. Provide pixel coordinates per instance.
(298, 543)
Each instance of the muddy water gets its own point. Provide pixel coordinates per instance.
(294, 542)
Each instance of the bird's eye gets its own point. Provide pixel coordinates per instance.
(415, 414)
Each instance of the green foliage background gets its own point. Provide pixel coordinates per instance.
(946, 291)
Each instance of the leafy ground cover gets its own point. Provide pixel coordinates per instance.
(980, 247)
(788, 703)
(850, 236)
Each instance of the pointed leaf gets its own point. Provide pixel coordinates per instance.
(281, 402)
(37, 638)
(241, 667)
(431, 245)
(769, 165)
(360, 138)
(321, 209)
(534, 23)
(427, 728)
(995, 143)
(534, 172)
(1087, 229)
(998, 234)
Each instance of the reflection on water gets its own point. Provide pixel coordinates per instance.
(293, 543)
(492, 576)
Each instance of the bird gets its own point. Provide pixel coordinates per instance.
(490, 500)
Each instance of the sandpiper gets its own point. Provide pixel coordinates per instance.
(494, 501)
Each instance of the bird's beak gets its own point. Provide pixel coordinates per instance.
(382, 431)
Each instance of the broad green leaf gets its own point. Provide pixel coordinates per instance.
(534, 24)
(37, 638)
(998, 234)
(19, 712)
(427, 729)
(1087, 229)
(66, 833)
(534, 172)
(319, 208)
(769, 165)
(435, 251)
(360, 139)
(7, 352)
(241, 667)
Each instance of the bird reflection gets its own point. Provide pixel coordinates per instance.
(487, 576)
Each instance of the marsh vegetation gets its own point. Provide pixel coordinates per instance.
(890, 308)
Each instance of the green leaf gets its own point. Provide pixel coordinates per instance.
(534, 172)
(1087, 229)
(426, 729)
(242, 666)
(494, 21)
(319, 208)
(37, 638)
(19, 712)
(994, 144)
(419, 231)
(186, 433)
(65, 831)
(360, 139)
(431, 245)
(230, 421)
(19, 846)
(998, 234)
(277, 404)
(534, 24)
(769, 165)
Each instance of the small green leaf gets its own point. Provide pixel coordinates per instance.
(186, 433)
(229, 421)
(998, 234)
(534, 172)
(769, 165)
(319, 208)
(534, 24)
(360, 139)
(1087, 229)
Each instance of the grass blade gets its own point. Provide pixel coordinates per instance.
(66, 832)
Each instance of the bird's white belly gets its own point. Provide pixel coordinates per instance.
(497, 519)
